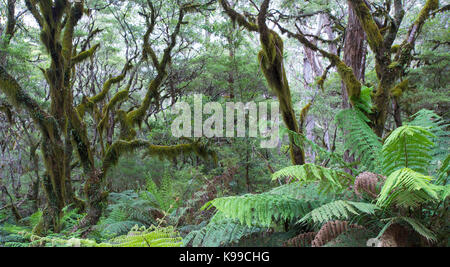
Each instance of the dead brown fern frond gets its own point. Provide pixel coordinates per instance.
(302, 240)
(330, 231)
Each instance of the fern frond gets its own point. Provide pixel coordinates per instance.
(438, 126)
(408, 188)
(338, 210)
(359, 138)
(219, 233)
(329, 180)
(147, 237)
(301, 141)
(262, 209)
(443, 172)
(407, 147)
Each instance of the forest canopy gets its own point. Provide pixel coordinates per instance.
(353, 93)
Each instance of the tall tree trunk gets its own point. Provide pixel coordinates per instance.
(355, 49)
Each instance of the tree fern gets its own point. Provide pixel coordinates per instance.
(329, 180)
(408, 188)
(407, 147)
(360, 138)
(338, 210)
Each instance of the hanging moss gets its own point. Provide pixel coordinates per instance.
(121, 147)
(304, 114)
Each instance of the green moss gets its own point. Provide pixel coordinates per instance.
(85, 54)
(347, 75)
(374, 37)
(400, 88)
(429, 6)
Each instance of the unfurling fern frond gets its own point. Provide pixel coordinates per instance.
(147, 237)
(329, 180)
(408, 188)
(262, 209)
(302, 240)
(338, 210)
(360, 138)
(407, 147)
(368, 182)
(330, 231)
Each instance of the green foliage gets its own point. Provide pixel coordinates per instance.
(126, 210)
(408, 188)
(329, 180)
(359, 138)
(338, 210)
(261, 209)
(407, 147)
(147, 237)
(222, 232)
(163, 194)
(436, 125)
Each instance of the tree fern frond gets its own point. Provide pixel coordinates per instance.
(437, 126)
(338, 210)
(219, 233)
(329, 180)
(301, 140)
(261, 209)
(360, 138)
(407, 147)
(443, 172)
(147, 237)
(408, 188)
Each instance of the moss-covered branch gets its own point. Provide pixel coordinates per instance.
(352, 84)
(236, 17)
(18, 98)
(121, 147)
(373, 33)
(84, 55)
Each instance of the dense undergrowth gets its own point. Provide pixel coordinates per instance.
(402, 200)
